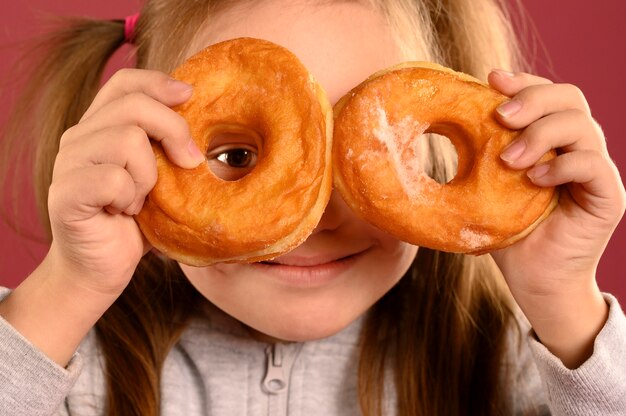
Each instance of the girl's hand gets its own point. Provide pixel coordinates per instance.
(104, 169)
(551, 272)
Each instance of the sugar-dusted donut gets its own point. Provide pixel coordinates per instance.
(378, 169)
(260, 90)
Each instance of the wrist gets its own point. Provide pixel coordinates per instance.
(84, 274)
(54, 312)
(567, 324)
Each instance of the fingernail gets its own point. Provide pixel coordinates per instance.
(513, 151)
(538, 171)
(504, 73)
(197, 156)
(509, 108)
(180, 86)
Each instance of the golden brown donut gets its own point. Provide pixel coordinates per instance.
(377, 162)
(253, 87)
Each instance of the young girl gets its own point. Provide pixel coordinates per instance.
(353, 321)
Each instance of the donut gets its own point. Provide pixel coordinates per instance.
(379, 167)
(252, 88)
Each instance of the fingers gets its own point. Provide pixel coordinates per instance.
(509, 83)
(125, 146)
(158, 121)
(83, 195)
(557, 116)
(143, 98)
(596, 184)
(154, 84)
(553, 116)
(579, 167)
(569, 130)
(106, 161)
(538, 100)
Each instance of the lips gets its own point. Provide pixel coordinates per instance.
(311, 260)
(308, 270)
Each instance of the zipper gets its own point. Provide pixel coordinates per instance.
(276, 378)
(280, 360)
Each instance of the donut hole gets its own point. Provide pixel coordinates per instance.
(443, 159)
(233, 152)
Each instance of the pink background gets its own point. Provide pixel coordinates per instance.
(574, 43)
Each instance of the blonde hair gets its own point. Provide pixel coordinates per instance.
(442, 331)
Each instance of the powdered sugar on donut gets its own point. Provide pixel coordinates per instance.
(474, 239)
(406, 149)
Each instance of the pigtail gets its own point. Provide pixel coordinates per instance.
(63, 71)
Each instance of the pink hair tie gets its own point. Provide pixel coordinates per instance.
(130, 22)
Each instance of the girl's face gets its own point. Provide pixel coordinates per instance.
(346, 265)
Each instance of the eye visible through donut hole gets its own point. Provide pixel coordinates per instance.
(442, 161)
(233, 155)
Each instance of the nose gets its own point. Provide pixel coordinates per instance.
(335, 214)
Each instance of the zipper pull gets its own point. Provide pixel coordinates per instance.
(275, 381)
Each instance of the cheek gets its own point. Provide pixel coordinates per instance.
(212, 282)
(393, 257)
(396, 258)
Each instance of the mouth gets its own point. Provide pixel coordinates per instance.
(309, 272)
(297, 261)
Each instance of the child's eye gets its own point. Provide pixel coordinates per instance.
(233, 161)
(237, 158)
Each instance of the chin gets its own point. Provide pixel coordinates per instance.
(305, 330)
(300, 324)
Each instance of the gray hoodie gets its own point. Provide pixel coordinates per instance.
(218, 369)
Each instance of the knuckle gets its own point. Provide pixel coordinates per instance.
(69, 157)
(577, 96)
(175, 131)
(61, 161)
(122, 75)
(534, 137)
(535, 96)
(162, 80)
(117, 178)
(589, 158)
(68, 135)
(588, 161)
(529, 100)
(137, 77)
(134, 101)
(531, 134)
(138, 107)
(574, 90)
(181, 125)
(531, 80)
(582, 119)
(597, 126)
(596, 129)
(578, 114)
(53, 194)
(526, 78)
(147, 178)
(134, 138)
